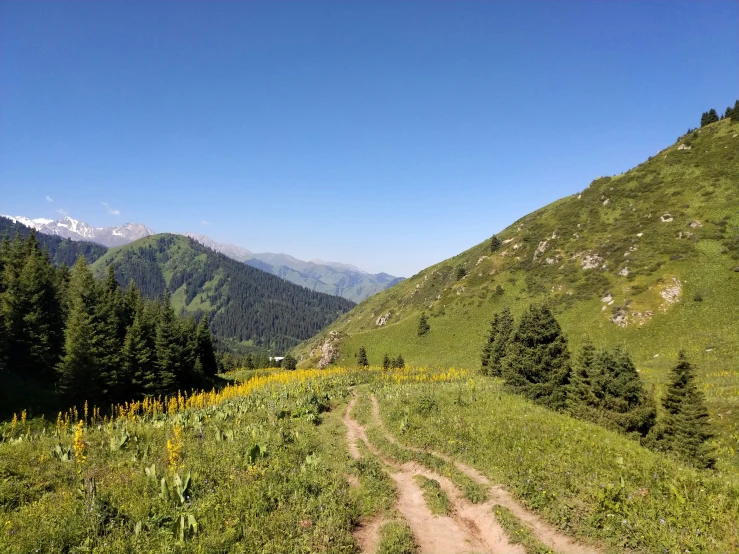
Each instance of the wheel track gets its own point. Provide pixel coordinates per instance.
(547, 535)
(470, 528)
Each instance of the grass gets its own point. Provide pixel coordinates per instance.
(396, 538)
(580, 477)
(519, 533)
(695, 185)
(436, 499)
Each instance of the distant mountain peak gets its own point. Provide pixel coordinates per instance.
(74, 229)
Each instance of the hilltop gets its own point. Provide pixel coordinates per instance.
(245, 305)
(648, 259)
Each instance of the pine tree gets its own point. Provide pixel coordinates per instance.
(735, 112)
(362, 360)
(249, 362)
(685, 429)
(537, 361)
(138, 358)
(289, 362)
(495, 243)
(399, 362)
(423, 326)
(386, 362)
(32, 312)
(501, 329)
(606, 389)
(87, 369)
(168, 348)
(205, 351)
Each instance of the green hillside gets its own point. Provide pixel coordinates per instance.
(245, 305)
(648, 259)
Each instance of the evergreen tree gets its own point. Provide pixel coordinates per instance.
(88, 366)
(501, 329)
(31, 312)
(537, 361)
(606, 389)
(423, 326)
(386, 362)
(735, 112)
(728, 113)
(205, 352)
(289, 362)
(138, 358)
(249, 362)
(399, 362)
(168, 348)
(495, 243)
(685, 429)
(709, 117)
(362, 361)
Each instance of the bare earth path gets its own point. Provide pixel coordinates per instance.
(546, 534)
(469, 529)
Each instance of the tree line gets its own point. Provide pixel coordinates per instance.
(87, 338)
(711, 116)
(598, 385)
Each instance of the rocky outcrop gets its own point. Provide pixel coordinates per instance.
(329, 350)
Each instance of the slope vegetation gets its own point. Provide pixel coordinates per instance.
(245, 305)
(648, 259)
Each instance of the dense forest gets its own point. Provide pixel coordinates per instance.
(86, 339)
(244, 304)
(60, 250)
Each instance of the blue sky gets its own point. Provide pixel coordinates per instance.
(389, 135)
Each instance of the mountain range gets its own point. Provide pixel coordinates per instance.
(333, 278)
(79, 230)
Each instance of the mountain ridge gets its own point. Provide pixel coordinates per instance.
(74, 229)
(648, 259)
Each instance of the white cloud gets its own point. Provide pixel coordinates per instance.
(49, 198)
(111, 211)
(206, 222)
(62, 211)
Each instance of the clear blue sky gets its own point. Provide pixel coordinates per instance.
(389, 135)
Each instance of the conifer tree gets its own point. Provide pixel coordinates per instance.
(88, 365)
(32, 313)
(205, 352)
(735, 112)
(399, 362)
(495, 243)
(249, 362)
(685, 429)
(537, 361)
(501, 329)
(423, 325)
(289, 362)
(362, 360)
(138, 358)
(386, 362)
(168, 348)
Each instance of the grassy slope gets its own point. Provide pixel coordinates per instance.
(699, 184)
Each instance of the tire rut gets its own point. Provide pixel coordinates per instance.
(470, 528)
(546, 534)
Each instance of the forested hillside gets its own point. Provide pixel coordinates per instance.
(67, 339)
(244, 305)
(61, 251)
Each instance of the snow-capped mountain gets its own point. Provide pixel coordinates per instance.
(79, 230)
